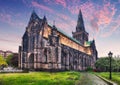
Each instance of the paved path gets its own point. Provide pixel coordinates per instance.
(90, 79)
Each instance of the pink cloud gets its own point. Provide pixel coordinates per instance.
(67, 23)
(94, 24)
(63, 16)
(61, 2)
(73, 6)
(63, 26)
(106, 18)
(107, 34)
(73, 23)
(27, 2)
(10, 37)
(115, 24)
(9, 46)
(106, 14)
(7, 18)
(7, 40)
(10, 41)
(74, 9)
(95, 14)
(90, 14)
(98, 15)
(38, 5)
(57, 2)
(88, 10)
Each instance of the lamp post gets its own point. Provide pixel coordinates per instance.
(110, 56)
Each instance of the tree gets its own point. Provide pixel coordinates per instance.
(117, 65)
(2, 62)
(12, 60)
(103, 64)
(8, 59)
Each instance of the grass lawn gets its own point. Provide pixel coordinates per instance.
(39, 78)
(115, 76)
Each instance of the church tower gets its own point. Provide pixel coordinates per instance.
(80, 34)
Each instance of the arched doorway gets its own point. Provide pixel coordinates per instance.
(63, 59)
(75, 64)
(31, 61)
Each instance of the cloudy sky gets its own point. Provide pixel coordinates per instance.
(101, 17)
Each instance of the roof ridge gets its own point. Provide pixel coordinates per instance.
(58, 29)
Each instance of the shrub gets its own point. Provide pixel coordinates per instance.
(89, 69)
(2, 62)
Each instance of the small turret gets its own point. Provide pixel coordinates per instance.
(44, 20)
(54, 29)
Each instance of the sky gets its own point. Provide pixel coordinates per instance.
(101, 20)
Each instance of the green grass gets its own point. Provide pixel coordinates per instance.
(40, 78)
(115, 76)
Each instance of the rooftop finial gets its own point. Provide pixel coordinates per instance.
(54, 22)
(44, 18)
(33, 11)
(54, 25)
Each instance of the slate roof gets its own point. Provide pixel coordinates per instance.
(65, 34)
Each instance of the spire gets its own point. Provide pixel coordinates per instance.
(80, 22)
(34, 15)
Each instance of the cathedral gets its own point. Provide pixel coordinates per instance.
(46, 47)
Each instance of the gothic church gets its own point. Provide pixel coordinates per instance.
(46, 47)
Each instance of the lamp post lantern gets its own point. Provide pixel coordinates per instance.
(110, 56)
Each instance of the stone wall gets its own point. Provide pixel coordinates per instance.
(74, 60)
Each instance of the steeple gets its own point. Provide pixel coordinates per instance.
(80, 34)
(80, 23)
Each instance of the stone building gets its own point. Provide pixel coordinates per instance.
(45, 47)
(5, 53)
